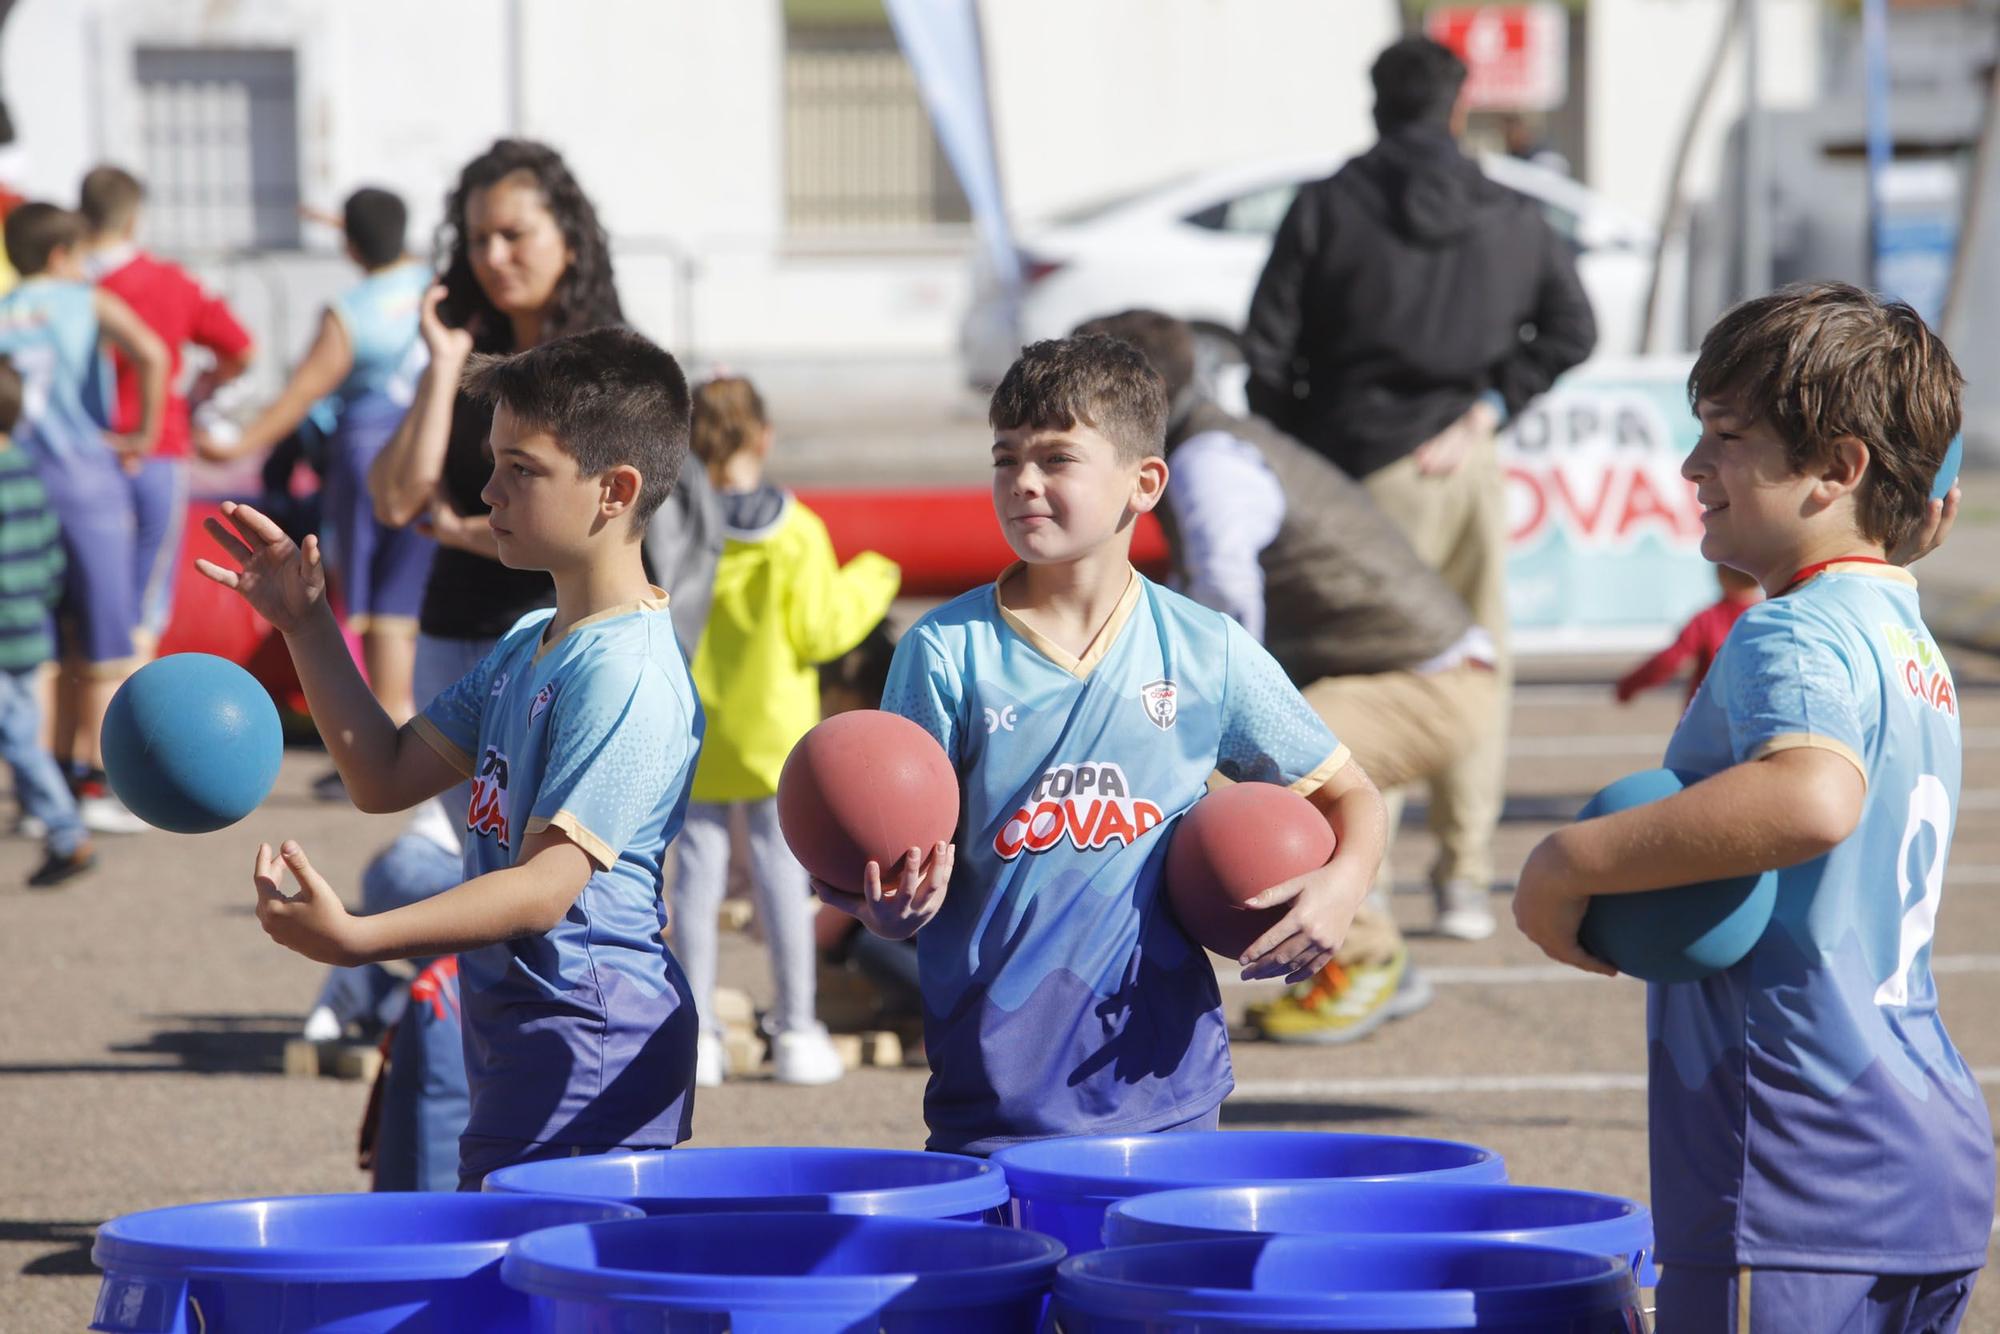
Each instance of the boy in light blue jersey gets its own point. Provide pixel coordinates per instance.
(1822, 1156)
(1084, 708)
(579, 733)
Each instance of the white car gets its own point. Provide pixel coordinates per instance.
(1194, 248)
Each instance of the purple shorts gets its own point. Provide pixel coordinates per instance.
(159, 506)
(381, 571)
(1693, 1299)
(100, 600)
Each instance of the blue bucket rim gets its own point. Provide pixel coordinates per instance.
(1029, 1178)
(528, 1269)
(118, 1250)
(1628, 1230)
(984, 1185)
(1601, 1281)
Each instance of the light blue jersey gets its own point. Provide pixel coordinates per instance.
(1060, 995)
(380, 314)
(48, 330)
(1808, 1110)
(584, 1035)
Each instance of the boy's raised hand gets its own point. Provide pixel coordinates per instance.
(281, 580)
(313, 922)
(1930, 531)
(899, 910)
(445, 344)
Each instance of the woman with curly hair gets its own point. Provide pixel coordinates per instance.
(526, 260)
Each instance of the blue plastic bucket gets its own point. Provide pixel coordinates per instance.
(1063, 1186)
(789, 1180)
(778, 1273)
(1362, 1285)
(1570, 1220)
(352, 1263)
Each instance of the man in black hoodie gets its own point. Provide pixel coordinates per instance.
(1409, 307)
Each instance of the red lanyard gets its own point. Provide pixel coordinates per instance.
(1811, 570)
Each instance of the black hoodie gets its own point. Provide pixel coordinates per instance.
(1398, 291)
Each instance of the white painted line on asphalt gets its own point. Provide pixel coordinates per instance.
(1517, 975)
(1270, 1090)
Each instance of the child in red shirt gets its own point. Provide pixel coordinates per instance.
(182, 312)
(1700, 639)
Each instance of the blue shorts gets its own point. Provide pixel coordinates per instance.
(479, 1155)
(1692, 1299)
(381, 571)
(159, 507)
(99, 607)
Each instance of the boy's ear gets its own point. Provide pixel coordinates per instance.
(1846, 464)
(1151, 486)
(621, 483)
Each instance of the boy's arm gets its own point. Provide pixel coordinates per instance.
(325, 365)
(148, 355)
(1228, 507)
(1783, 809)
(1324, 900)
(385, 768)
(217, 329)
(527, 898)
(1662, 666)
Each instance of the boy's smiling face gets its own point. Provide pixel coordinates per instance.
(544, 510)
(1064, 494)
(1757, 514)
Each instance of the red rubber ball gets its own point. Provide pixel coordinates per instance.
(1231, 846)
(865, 786)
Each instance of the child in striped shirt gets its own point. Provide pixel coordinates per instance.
(31, 567)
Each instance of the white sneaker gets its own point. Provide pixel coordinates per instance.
(807, 1056)
(107, 815)
(32, 827)
(323, 1025)
(1463, 912)
(711, 1062)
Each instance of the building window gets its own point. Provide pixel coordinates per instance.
(221, 133)
(860, 154)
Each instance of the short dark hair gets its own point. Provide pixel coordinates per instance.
(374, 221)
(35, 231)
(1416, 81)
(110, 197)
(610, 396)
(10, 397)
(1165, 342)
(1817, 361)
(1102, 382)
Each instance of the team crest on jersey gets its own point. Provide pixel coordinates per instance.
(541, 701)
(487, 811)
(1090, 804)
(1921, 669)
(1161, 701)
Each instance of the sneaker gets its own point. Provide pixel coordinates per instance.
(1412, 993)
(711, 1062)
(1337, 1005)
(323, 1025)
(103, 813)
(31, 827)
(1463, 912)
(807, 1056)
(57, 869)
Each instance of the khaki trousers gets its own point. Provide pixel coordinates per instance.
(1458, 525)
(1402, 727)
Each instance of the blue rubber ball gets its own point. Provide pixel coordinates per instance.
(192, 743)
(1673, 935)
(1947, 472)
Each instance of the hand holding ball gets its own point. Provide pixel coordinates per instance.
(1231, 846)
(1673, 935)
(192, 743)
